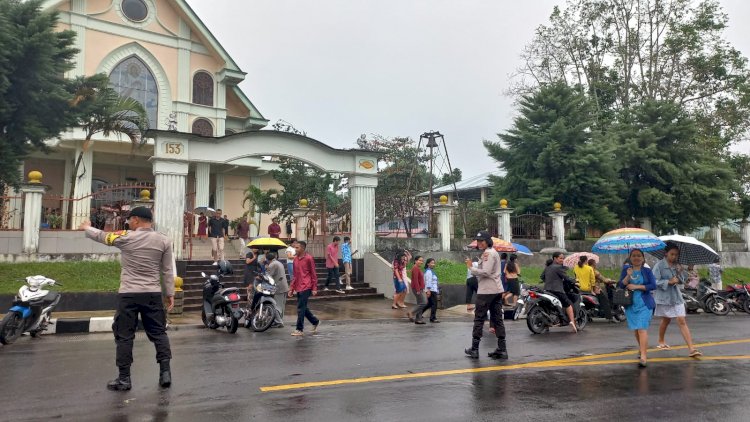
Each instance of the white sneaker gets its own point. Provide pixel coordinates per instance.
(325, 289)
(340, 291)
(349, 288)
(215, 263)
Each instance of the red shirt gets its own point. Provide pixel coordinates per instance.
(305, 277)
(274, 230)
(417, 278)
(332, 256)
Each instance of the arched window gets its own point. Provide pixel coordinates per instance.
(132, 78)
(203, 89)
(203, 127)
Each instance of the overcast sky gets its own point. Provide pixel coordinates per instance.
(340, 68)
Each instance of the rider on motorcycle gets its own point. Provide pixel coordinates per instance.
(587, 279)
(555, 277)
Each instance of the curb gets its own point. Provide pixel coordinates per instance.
(80, 325)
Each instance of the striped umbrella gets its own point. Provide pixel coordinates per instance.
(692, 250)
(498, 244)
(626, 239)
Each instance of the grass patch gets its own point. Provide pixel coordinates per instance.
(74, 276)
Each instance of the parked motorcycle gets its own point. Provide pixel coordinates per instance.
(221, 306)
(31, 311)
(705, 298)
(594, 310)
(546, 311)
(522, 304)
(737, 296)
(263, 310)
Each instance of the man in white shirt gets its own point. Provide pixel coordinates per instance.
(290, 254)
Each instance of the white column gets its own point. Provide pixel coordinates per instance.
(219, 192)
(32, 215)
(15, 205)
(646, 224)
(255, 228)
(300, 216)
(444, 212)
(746, 234)
(67, 191)
(362, 191)
(717, 238)
(82, 185)
(169, 205)
(558, 228)
(202, 184)
(503, 223)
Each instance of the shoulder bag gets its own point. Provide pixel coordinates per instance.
(622, 297)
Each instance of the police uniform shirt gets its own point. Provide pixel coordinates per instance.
(146, 254)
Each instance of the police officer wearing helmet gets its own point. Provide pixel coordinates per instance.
(145, 256)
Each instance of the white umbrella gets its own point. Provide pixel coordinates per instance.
(205, 210)
(692, 250)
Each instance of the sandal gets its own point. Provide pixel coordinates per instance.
(663, 346)
(695, 353)
(394, 307)
(642, 363)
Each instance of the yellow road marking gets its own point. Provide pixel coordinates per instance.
(590, 360)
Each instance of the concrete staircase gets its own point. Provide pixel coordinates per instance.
(202, 250)
(193, 283)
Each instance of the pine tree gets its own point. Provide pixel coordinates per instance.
(669, 177)
(34, 100)
(552, 153)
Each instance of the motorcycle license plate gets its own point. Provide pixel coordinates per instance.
(235, 306)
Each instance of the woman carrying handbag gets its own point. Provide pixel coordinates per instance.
(638, 282)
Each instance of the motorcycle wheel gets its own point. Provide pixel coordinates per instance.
(234, 323)
(263, 319)
(519, 311)
(11, 327)
(719, 306)
(535, 321)
(582, 319)
(619, 314)
(746, 305)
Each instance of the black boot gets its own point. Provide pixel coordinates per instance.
(122, 382)
(165, 374)
(498, 354)
(473, 352)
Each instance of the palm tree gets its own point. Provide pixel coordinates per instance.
(100, 109)
(261, 202)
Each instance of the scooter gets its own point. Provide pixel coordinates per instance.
(262, 313)
(546, 311)
(593, 308)
(31, 311)
(705, 298)
(221, 306)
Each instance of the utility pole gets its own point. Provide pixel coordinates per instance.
(431, 137)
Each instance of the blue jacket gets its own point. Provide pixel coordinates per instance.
(650, 283)
(664, 293)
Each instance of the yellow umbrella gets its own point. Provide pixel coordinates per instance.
(267, 243)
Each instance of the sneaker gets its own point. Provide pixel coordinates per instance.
(349, 288)
(498, 354)
(472, 353)
(119, 384)
(325, 289)
(340, 291)
(315, 327)
(435, 321)
(420, 322)
(297, 333)
(215, 263)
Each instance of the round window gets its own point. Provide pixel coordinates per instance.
(135, 10)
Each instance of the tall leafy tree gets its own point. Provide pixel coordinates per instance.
(553, 154)
(302, 181)
(454, 176)
(402, 176)
(668, 176)
(260, 202)
(626, 52)
(34, 97)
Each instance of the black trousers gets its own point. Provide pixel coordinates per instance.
(494, 304)
(471, 287)
(151, 309)
(303, 311)
(333, 274)
(431, 304)
(604, 304)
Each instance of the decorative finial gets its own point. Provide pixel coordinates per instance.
(303, 203)
(558, 206)
(503, 203)
(35, 176)
(443, 200)
(145, 195)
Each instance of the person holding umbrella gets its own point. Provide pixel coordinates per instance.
(669, 302)
(640, 281)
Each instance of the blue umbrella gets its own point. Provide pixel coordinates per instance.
(626, 239)
(521, 249)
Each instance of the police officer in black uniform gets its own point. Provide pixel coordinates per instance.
(145, 256)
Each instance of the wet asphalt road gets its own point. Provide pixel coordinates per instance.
(218, 376)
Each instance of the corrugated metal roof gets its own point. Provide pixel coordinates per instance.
(476, 182)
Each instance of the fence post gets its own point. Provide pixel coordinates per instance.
(746, 234)
(503, 220)
(558, 225)
(444, 210)
(32, 215)
(300, 216)
(717, 237)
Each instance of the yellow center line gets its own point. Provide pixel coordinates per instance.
(589, 360)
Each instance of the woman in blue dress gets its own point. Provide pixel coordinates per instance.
(640, 281)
